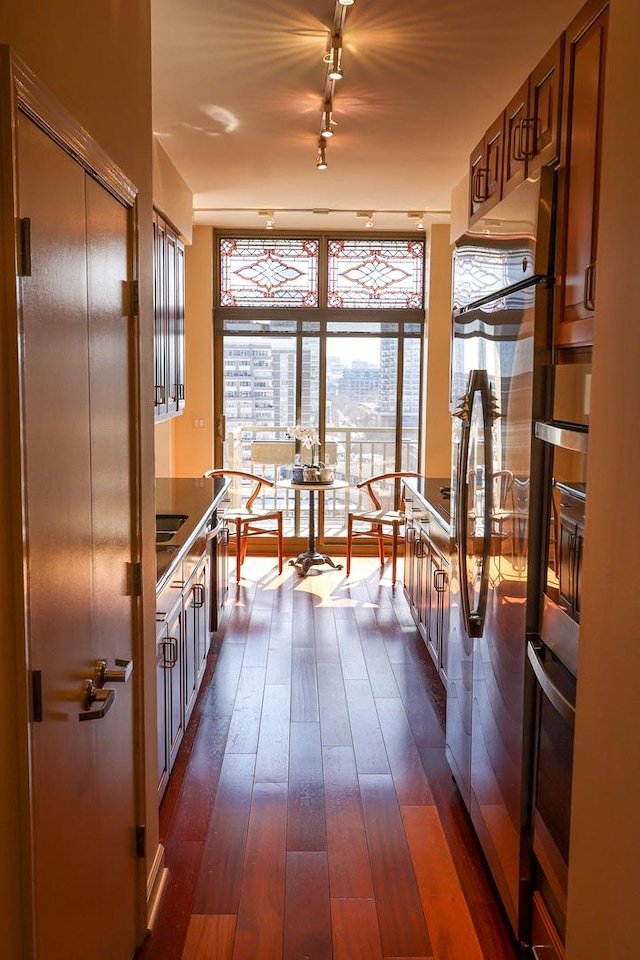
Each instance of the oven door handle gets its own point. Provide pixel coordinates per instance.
(557, 699)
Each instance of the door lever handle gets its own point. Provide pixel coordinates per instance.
(93, 694)
(124, 669)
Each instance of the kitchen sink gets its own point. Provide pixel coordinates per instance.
(167, 525)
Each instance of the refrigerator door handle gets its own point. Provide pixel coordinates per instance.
(557, 699)
(478, 385)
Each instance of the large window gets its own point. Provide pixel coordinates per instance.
(326, 332)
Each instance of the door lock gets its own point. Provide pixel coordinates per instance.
(124, 669)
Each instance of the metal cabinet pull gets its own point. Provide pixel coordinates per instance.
(517, 153)
(124, 669)
(169, 660)
(198, 595)
(478, 193)
(589, 287)
(93, 694)
(440, 581)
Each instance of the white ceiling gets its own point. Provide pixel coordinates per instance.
(238, 91)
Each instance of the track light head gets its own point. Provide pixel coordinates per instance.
(335, 70)
(346, 3)
(321, 159)
(327, 124)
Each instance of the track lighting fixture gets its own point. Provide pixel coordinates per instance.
(369, 223)
(335, 68)
(346, 3)
(321, 161)
(418, 216)
(327, 123)
(270, 224)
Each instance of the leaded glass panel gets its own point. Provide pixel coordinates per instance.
(375, 273)
(266, 272)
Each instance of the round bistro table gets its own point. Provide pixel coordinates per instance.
(311, 557)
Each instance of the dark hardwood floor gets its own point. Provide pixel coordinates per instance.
(311, 813)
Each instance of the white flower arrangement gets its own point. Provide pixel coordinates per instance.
(308, 437)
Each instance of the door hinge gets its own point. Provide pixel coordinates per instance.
(36, 696)
(134, 298)
(134, 571)
(141, 842)
(24, 260)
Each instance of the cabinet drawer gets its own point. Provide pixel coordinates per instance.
(169, 598)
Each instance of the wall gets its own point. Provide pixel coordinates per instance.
(171, 195)
(437, 419)
(96, 60)
(604, 920)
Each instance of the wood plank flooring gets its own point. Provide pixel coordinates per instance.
(311, 814)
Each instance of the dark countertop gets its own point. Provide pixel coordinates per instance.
(573, 487)
(194, 497)
(427, 489)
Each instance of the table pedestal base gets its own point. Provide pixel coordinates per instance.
(311, 558)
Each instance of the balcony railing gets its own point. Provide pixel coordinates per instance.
(355, 454)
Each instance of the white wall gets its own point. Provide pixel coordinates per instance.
(604, 918)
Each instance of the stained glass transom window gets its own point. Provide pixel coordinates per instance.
(257, 272)
(376, 273)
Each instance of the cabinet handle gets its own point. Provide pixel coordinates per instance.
(479, 195)
(169, 660)
(517, 152)
(198, 595)
(161, 394)
(526, 144)
(180, 387)
(440, 581)
(589, 287)
(420, 548)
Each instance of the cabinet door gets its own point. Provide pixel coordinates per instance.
(541, 134)
(191, 604)
(438, 611)
(516, 124)
(169, 344)
(161, 701)
(161, 328)
(409, 564)
(173, 685)
(579, 181)
(486, 171)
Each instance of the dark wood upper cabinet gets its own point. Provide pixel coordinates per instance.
(545, 109)
(579, 175)
(516, 136)
(522, 139)
(486, 171)
(532, 121)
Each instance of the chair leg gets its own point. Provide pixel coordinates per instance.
(280, 547)
(394, 554)
(381, 544)
(238, 549)
(349, 540)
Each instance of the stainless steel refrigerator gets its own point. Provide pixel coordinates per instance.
(501, 327)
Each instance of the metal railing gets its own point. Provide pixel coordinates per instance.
(355, 453)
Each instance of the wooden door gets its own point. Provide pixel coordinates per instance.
(77, 367)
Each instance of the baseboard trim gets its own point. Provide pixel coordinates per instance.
(156, 884)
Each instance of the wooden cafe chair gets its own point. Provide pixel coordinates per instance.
(247, 520)
(385, 525)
